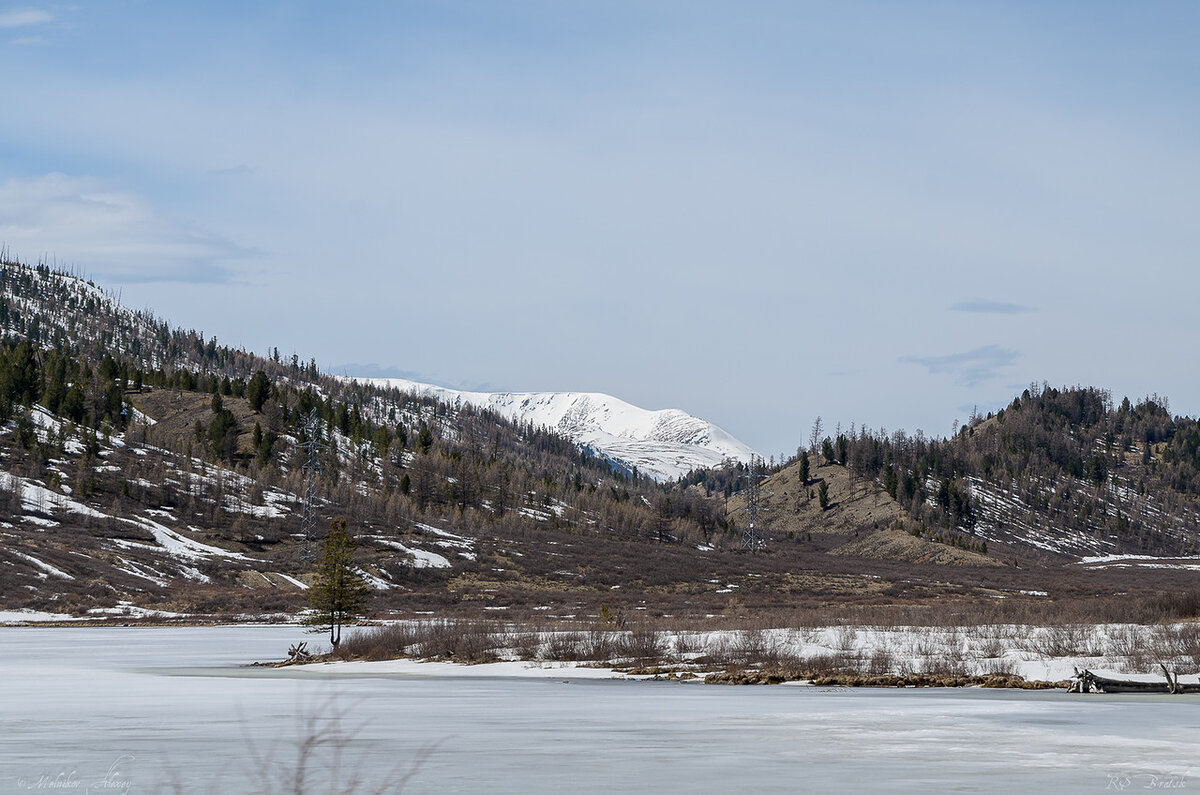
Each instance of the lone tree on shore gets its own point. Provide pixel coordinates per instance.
(339, 592)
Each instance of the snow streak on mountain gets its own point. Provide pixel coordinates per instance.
(664, 444)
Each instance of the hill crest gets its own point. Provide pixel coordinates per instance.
(664, 444)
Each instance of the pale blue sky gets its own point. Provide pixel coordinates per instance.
(757, 212)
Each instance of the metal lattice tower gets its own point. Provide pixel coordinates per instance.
(312, 447)
(752, 540)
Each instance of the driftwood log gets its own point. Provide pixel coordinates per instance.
(298, 654)
(1087, 682)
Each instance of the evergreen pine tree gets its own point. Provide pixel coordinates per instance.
(258, 390)
(425, 438)
(339, 593)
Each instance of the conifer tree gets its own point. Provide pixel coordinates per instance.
(339, 593)
(258, 390)
(425, 438)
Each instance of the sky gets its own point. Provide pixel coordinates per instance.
(891, 214)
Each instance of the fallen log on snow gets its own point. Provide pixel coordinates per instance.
(1087, 682)
(298, 654)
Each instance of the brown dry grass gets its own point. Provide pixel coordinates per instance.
(854, 503)
(176, 414)
(894, 544)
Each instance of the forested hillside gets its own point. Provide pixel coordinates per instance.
(149, 467)
(1062, 471)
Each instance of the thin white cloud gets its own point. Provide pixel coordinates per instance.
(79, 220)
(24, 17)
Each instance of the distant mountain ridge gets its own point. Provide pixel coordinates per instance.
(665, 444)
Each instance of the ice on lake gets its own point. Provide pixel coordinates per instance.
(176, 710)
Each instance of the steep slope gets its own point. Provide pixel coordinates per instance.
(1069, 472)
(664, 444)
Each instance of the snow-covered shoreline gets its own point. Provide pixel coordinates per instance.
(1034, 653)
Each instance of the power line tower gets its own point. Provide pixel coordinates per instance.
(312, 447)
(752, 540)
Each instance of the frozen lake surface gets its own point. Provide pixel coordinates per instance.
(147, 710)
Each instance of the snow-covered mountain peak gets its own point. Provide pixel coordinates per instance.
(664, 444)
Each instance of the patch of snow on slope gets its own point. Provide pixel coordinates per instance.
(139, 417)
(49, 426)
(36, 498)
(293, 581)
(192, 573)
(377, 583)
(1005, 517)
(180, 545)
(144, 572)
(1144, 561)
(235, 504)
(422, 559)
(664, 444)
(45, 567)
(461, 544)
(462, 540)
